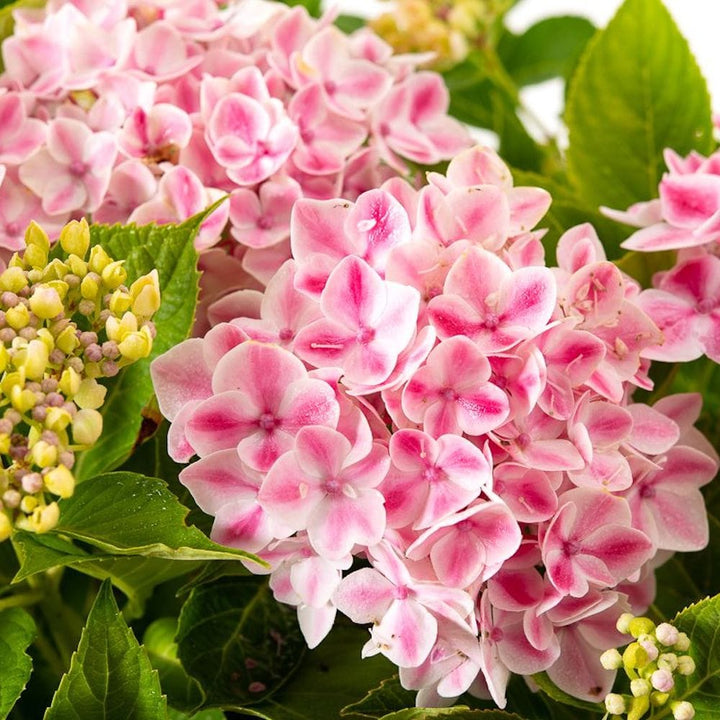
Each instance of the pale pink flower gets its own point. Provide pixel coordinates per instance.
(21, 135)
(157, 134)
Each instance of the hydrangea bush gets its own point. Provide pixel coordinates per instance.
(339, 413)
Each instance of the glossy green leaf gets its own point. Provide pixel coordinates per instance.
(702, 624)
(387, 697)
(458, 712)
(183, 693)
(550, 48)
(110, 676)
(17, 631)
(169, 248)
(553, 691)
(209, 714)
(38, 553)
(125, 513)
(330, 677)
(636, 91)
(237, 641)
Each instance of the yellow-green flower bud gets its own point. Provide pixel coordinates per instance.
(685, 665)
(35, 236)
(89, 287)
(22, 400)
(145, 293)
(641, 626)
(99, 259)
(87, 426)
(638, 707)
(683, 710)
(615, 703)
(640, 687)
(36, 359)
(57, 419)
(120, 302)
(55, 270)
(44, 454)
(635, 656)
(47, 337)
(4, 443)
(60, 481)
(658, 699)
(17, 317)
(11, 380)
(75, 238)
(35, 256)
(90, 395)
(13, 279)
(67, 340)
(611, 659)
(45, 302)
(136, 345)
(69, 382)
(4, 357)
(114, 274)
(683, 643)
(118, 329)
(60, 286)
(28, 503)
(44, 518)
(5, 527)
(77, 266)
(668, 661)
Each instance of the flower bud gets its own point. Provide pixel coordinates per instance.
(60, 481)
(117, 330)
(67, 340)
(4, 358)
(615, 704)
(683, 643)
(5, 527)
(77, 266)
(17, 317)
(666, 634)
(13, 280)
(22, 400)
(683, 710)
(90, 395)
(114, 274)
(634, 656)
(641, 626)
(611, 659)
(75, 238)
(35, 236)
(87, 427)
(99, 259)
(685, 665)
(57, 419)
(136, 345)
(145, 293)
(54, 271)
(36, 359)
(44, 454)
(668, 661)
(69, 382)
(120, 302)
(44, 518)
(658, 699)
(90, 287)
(35, 256)
(28, 503)
(662, 680)
(638, 707)
(640, 687)
(648, 643)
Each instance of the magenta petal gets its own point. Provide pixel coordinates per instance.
(220, 422)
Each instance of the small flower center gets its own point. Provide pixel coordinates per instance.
(433, 474)
(77, 168)
(570, 548)
(523, 440)
(267, 422)
(401, 592)
(647, 491)
(365, 336)
(333, 486)
(706, 306)
(264, 222)
(496, 634)
(464, 526)
(448, 394)
(491, 321)
(12, 228)
(330, 87)
(286, 334)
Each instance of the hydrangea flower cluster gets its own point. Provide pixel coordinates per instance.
(417, 389)
(651, 663)
(64, 323)
(685, 300)
(143, 111)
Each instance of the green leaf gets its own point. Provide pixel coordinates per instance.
(183, 693)
(349, 23)
(169, 248)
(125, 513)
(210, 714)
(237, 641)
(459, 712)
(110, 676)
(550, 48)
(314, 7)
(702, 624)
(330, 677)
(636, 91)
(38, 553)
(17, 631)
(551, 690)
(389, 696)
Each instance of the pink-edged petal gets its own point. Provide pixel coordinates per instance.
(407, 633)
(689, 200)
(662, 237)
(315, 623)
(244, 525)
(321, 451)
(314, 580)
(652, 432)
(364, 596)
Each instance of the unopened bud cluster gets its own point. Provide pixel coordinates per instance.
(651, 662)
(448, 29)
(67, 318)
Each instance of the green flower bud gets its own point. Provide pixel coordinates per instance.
(35, 236)
(55, 270)
(10, 380)
(45, 302)
(87, 426)
(641, 626)
(13, 279)
(28, 503)
(685, 665)
(683, 643)
(60, 481)
(658, 699)
(615, 704)
(17, 317)
(22, 400)
(638, 707)
(611, 659)
(99, 259)
(4, 358)
(640, 687)
(75, 238)
(4, 444)
(145, 293)
(35, 256)
(668, 661)
(47, 337)
(67, 340)
(635, 656)
(90, 395)
(114, 274)
(44, 454)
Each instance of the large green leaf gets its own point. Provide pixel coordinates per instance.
(38, 553)
(330, 677)
(209, 714)
(237, 641)
(702, 624)
(553, 691)
(636, 91)
(110, 676)
(458, 712)
(17, 631)
(389, 696)
(125, 513)
(183, 693)
(550, 48)
(169, 248)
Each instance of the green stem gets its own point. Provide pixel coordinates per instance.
(20, 600)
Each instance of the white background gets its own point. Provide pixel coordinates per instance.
(699, 21)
